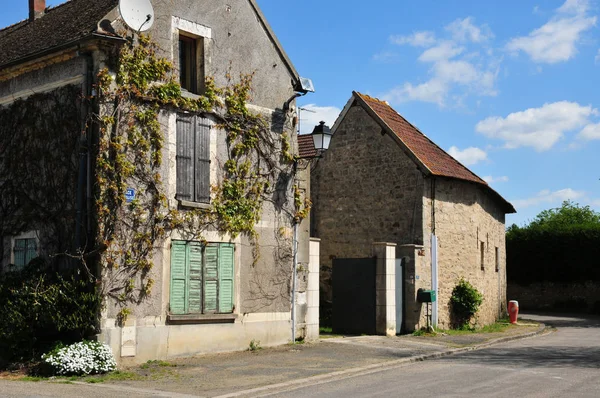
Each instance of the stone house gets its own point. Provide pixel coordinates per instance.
(382, 180)
(212, 291)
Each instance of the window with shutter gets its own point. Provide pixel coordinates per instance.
(193, 159)
(202, 278)
(24, 249)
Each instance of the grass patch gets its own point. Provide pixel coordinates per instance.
(114, 376)
(32, 378)
(157, 364)
(325, 330)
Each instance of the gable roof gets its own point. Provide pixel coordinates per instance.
(74, 20)
(61, 25)
(432, 159)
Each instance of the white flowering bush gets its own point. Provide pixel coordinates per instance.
(84, 358)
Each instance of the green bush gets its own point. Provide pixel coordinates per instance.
(40, 307)
(464, 303)
(560, 245)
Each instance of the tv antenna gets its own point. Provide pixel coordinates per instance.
(137, 14)
(300, 109)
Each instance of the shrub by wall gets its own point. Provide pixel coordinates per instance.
(40, 307)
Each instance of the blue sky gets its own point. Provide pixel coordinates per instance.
(510, 88)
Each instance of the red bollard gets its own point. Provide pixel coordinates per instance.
(513, 310)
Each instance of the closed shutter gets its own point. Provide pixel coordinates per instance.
(226, 262)
(185, 158)
(195, 277)
(178, 300)
(211, 261)
(202, 171)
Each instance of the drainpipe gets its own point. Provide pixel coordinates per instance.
(83, 181)
(294, 277)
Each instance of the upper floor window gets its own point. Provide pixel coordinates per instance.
(24, 248)
(191, 65)
(482, 254)
(193, 159)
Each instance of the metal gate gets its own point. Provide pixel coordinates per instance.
(353, 282)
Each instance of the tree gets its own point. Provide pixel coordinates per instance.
(569, 214)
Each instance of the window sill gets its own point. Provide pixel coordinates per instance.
(201, 318)
(188, 94)
(193, 205)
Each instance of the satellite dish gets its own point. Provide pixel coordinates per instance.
(137, 14)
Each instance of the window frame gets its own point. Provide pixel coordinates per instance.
(482, 255)
(220, 277)
(28, 237)
(497, 251)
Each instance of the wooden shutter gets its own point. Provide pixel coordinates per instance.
(178, 300)
(226, 272)
(194, 292)
(185, 158)
(211, 277)
(202, 168)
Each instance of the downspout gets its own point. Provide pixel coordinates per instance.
(83, 182)
(294, 277)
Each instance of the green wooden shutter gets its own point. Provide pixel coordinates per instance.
(226, 261)
(194, 292)
(179, 278)
(211, 277)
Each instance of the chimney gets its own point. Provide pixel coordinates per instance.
(36, 9)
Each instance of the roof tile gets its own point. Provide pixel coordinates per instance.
(434, 158)
(67, 22)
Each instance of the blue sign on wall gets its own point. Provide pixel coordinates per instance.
(130, 195)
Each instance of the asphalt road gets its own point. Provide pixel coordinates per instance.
(565, 363)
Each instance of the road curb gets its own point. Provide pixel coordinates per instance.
(364, 370)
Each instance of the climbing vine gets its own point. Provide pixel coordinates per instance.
(133, 101)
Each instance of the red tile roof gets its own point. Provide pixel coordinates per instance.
(62, 24)
(431, 156)
(306, 146)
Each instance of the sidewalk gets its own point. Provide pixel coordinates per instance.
(276, 369)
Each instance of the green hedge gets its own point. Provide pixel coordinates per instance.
(40, 307)
(560, 255)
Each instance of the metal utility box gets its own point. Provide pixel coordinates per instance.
(426, 296)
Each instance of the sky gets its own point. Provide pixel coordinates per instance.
(510, 88)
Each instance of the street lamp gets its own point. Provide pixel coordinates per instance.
(321, 138)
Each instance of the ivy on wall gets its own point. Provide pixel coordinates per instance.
(131, 140)
(42, 143)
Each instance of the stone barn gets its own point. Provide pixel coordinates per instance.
(383, 180)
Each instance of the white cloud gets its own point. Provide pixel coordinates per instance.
(464, 30)
(491, 179)
(539, 128)
(468, 156)
(597, 58)
(456, 70)
(311, 115)
(546, 196)
(577, 7)
(557, 40)
(590, 132)
(441, 52)
(417, 39)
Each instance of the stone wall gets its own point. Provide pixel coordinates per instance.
(364, 190)
(463, 216)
